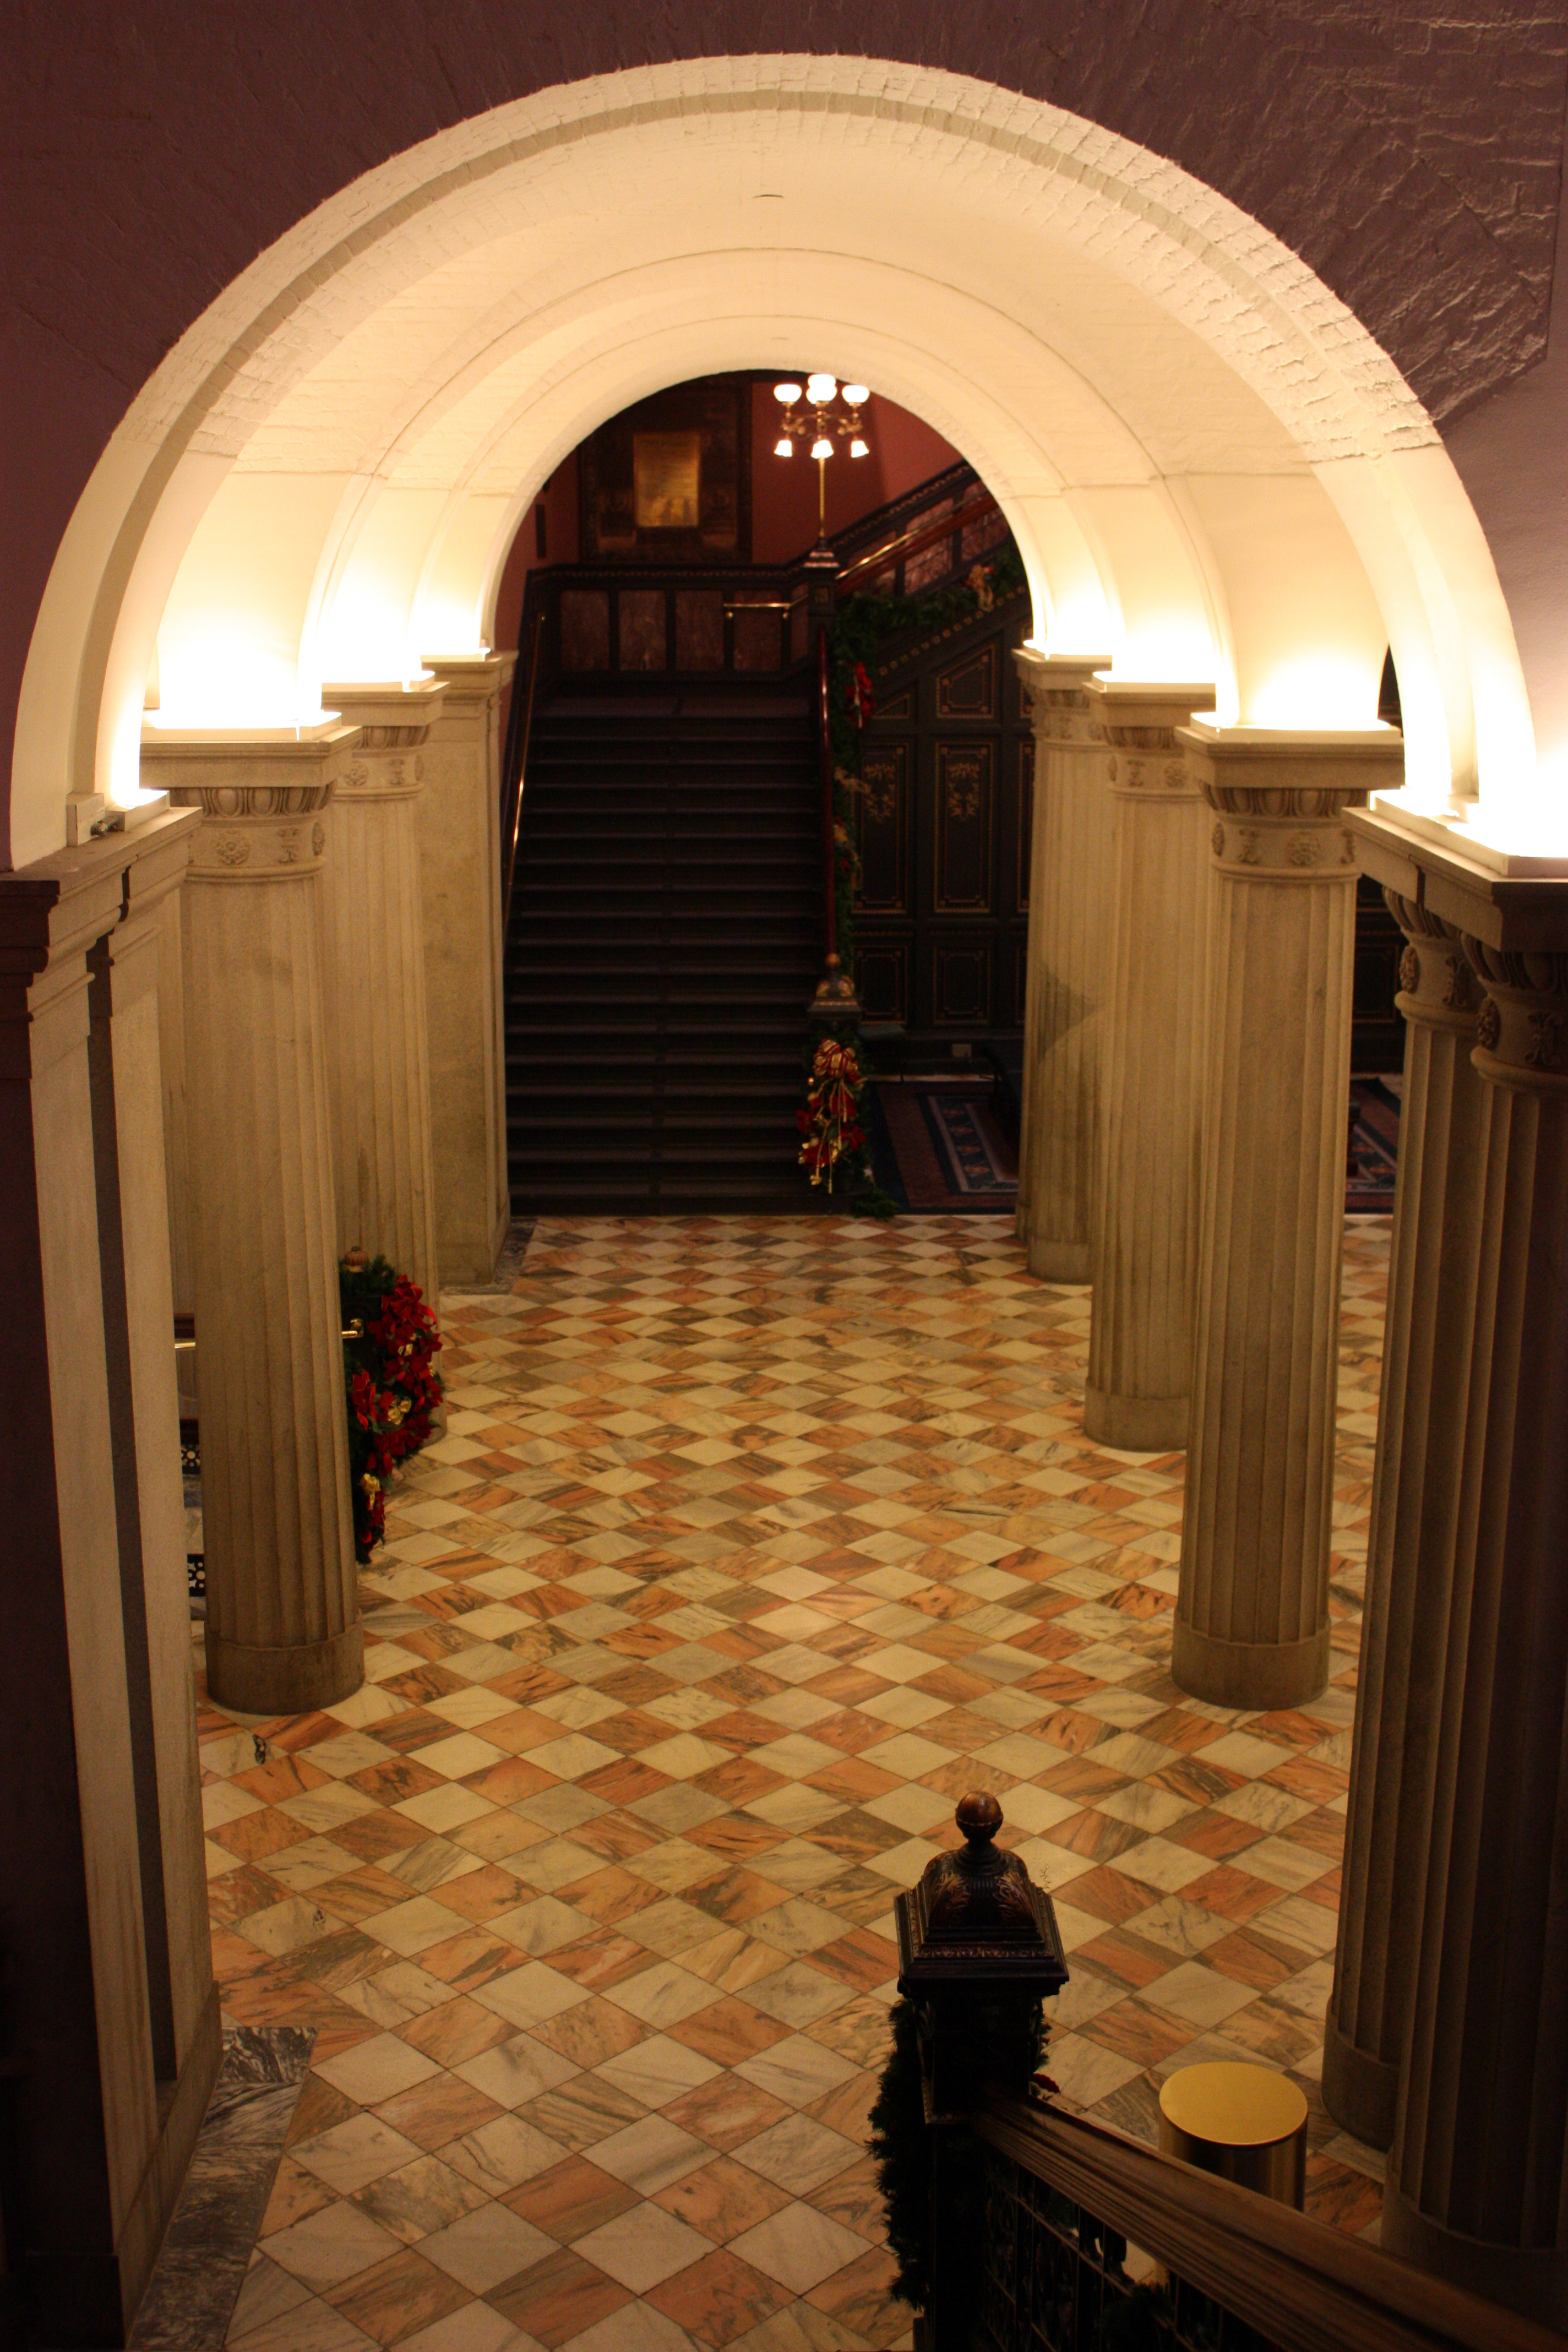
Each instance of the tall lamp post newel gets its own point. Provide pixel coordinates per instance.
(814, 411)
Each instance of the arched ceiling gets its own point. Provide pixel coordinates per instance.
(1211, 469)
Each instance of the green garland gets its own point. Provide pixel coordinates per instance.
(390, 1342)
(901, 2148)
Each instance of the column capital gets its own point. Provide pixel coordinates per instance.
(1282, 797)
(1436, 984)
(470, 677)
(1522, 1029)
(393, 723)
(263, 795)
(1455, 881)
(1056, 687)
(1141, 718)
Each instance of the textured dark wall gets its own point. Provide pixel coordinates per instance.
(1410, 154)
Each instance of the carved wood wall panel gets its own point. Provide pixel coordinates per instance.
(944, 829)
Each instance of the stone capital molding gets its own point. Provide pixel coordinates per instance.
(1281, 799)
(263, 799)
(470, 677)
(1056, 688)
(393, 723)
(1434, 867)
(1139, 722)
(1436, 984)
(1522, 1029)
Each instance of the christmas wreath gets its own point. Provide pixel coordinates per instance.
(390, 1341)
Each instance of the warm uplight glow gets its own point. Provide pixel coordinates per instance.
(859, 449)
(783, 446)
(787, 392)
(822, 447)
(1329, 689)
(855, 393)
(821, 387)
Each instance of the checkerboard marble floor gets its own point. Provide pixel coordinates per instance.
(750, 1545)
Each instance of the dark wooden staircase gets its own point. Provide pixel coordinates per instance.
(664, 943)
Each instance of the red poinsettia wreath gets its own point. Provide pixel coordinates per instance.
(390, 1341)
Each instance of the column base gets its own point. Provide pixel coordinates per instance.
(251, 1679)
(85, 2297)
(1360, 2092)
(1059, 1261)
(1136, 1425)
(1532, 2280)
(1254, 1676)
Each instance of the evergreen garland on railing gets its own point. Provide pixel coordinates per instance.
(390, 1342)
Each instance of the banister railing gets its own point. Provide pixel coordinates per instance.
(1025, 2228)
(915, 542)
(1080, 2194)
(825, 775)
(519, 724)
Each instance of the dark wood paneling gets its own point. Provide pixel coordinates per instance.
(944, 824)
(885, 829)
(965, 780)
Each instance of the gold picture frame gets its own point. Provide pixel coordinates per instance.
(667, 470)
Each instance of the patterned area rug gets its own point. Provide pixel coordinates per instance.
(750, 1545)
(947, 1149)
(1373, 1159)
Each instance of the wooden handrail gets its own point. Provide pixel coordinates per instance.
(516, 762)
(1305, 2287)
(829, 862)
(910, 543)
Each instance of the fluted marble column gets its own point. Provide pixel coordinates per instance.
(457, 818)
(375, 981)
(1068, 886)
(1478, 2176)
(1252, 1624)
(282, 1631)
(1145, 1219)
(1411, 1594)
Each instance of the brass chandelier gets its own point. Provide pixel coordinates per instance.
(817, 412)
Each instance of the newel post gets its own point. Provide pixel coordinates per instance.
(978, 1952)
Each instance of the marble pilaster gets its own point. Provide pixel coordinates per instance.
(107, 2002)
(282, 1629)
(1068, 887)
(1411, 1595)
(458, 823)
(1145, 1219)
(375, 982)
(1251, 1625)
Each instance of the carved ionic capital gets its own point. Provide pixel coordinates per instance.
(1280, 836)
(1522, 1029)
(251, 832)
(1056, 687)
(1436, 983)
(395, 723)
(1145, 758)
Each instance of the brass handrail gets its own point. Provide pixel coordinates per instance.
(1304, 2286)
(911, 541)
(527, 722)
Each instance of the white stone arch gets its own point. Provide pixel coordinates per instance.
(1281, 474)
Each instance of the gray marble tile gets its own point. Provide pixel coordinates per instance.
(202, 2267)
